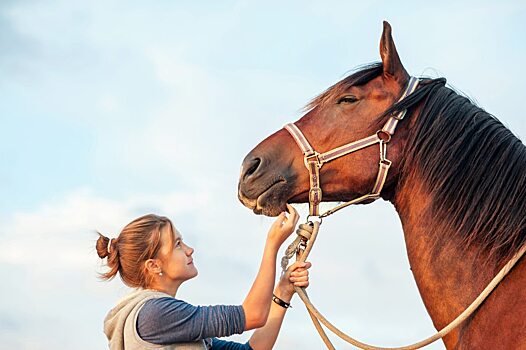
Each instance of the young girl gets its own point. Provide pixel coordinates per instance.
(150, 255)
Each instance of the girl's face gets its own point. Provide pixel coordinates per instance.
(176, 256)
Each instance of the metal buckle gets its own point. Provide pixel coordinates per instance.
(386, 162)
(383, 151)
(315, 195)
(315, 155)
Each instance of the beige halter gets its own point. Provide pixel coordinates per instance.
(314, 160)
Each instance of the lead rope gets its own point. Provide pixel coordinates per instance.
(302, 246)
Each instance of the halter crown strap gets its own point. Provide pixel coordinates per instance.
(390, 126)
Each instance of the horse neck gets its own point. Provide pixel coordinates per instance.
(448, 278)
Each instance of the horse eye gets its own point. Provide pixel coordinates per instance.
(347, 99)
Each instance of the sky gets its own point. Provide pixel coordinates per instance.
(114, 109)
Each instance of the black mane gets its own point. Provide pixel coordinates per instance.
(474, 168)
(472, 165)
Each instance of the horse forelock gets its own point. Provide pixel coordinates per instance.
(359, 76)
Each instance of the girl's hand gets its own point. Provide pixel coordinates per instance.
(296, 275)
(283, 227)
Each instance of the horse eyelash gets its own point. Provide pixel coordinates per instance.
(348, 99)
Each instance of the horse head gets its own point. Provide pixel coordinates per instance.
(273, 173)
(457, 177)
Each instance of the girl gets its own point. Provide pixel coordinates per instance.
(150, 255)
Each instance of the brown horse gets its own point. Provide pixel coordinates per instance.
(458, 183)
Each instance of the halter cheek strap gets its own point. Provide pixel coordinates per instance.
(314, 160)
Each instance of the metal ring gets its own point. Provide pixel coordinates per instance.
(313, 216)
(383, 133)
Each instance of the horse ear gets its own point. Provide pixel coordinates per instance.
(391, 61)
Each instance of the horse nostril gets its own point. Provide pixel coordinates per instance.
(251, 165)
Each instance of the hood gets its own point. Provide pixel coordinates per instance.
(115, 320)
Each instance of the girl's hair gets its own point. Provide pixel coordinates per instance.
(138, 241)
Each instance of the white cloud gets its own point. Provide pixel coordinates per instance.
(58, 233)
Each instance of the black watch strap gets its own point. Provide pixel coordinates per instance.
(280, 302)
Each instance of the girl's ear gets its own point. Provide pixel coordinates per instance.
(153, 266)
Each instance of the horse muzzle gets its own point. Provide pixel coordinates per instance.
(261, 188)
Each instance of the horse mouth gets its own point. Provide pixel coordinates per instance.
(268, 202)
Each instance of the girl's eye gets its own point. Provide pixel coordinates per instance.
(347, 99)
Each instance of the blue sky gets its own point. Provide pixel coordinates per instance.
(111, 109)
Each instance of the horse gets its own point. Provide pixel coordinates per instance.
(457, 182)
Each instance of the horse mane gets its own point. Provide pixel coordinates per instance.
(473, 167)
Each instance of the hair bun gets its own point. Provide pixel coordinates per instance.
(103, 246)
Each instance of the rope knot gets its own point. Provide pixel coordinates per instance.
(304, 233)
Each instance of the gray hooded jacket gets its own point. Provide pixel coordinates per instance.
(120, 325)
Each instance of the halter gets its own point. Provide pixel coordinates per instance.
(307, 232)
(314, 160)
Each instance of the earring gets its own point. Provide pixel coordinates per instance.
(160, 273)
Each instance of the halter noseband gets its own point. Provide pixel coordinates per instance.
(314, 160)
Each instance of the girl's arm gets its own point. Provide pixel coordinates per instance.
(296, 275)
(257, 303)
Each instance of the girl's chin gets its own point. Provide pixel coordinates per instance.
(194, 274)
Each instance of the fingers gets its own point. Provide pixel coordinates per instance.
(308, 265)
(303, 284)
(280, 220)
(299, 273)
(300, 278)
(293, 213)
(292, 218)
(284, 225)
(299, 265)
(291, 209)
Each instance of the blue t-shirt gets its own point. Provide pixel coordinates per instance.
(168, 320)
